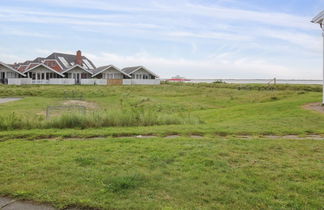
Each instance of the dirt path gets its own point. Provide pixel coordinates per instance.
(315, 107)
(6, 100)
(319, 137)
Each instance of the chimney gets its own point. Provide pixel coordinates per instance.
(78, 58)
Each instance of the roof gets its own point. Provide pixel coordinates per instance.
(77, 66)
(319, 18)
(31, 65)
(22, 68)
(131, 70)
(38, 60)
(11, 68)
(68, 60)
(104, 68)
(44, 65)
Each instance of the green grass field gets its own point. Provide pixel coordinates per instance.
(65, 166)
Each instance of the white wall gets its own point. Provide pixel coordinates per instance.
(8, 73)
(112, 73)
(19, 81)
(42, 70)
(40, 82)
(76, 70)
(93, 82)
(62, 81)
(141, 82)
(141, 73)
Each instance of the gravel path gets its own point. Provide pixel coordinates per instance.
(6, 100)
(11, 204)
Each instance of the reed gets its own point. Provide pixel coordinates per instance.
(96, 119)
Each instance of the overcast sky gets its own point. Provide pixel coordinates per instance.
(191, 38)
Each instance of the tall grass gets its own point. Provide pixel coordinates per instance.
(96, 119)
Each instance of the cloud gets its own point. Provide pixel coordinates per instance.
(221, 38)
(242, 15)
(182, 8)
(25, 33)
(304, 40)
(216, 66)
(210, 35)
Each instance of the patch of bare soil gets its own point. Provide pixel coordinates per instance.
(315, 107)
(87, 104)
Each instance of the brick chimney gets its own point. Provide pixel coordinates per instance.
(78, 58)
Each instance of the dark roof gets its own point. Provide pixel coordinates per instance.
(70, 60)
(100, 69)
(129, 70)
(38, 60)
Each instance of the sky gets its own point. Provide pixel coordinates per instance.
(205, 39)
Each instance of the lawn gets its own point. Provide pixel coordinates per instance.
(76, 160)
(166, 109)
(181, 173)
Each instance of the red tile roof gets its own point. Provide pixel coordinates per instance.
(53, 64)
(31, 65)
(22, 68)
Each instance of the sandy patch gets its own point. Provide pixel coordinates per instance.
(315, 107)
(87, 104)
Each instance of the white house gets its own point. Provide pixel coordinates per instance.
(60, 68)
(8, 72)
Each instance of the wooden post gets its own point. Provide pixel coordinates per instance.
(323, 67)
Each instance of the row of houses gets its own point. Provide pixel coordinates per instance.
(61, 68)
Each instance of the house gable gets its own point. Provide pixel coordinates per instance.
(140, 72)
(77, 68)
(104, 71)
(44, 69)
(5, 67)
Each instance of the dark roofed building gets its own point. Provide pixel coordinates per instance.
(110, 72)
(62, 68)
(139, 72)
(69, 60)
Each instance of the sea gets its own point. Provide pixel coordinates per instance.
(257, 81)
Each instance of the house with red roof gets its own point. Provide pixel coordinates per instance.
(61, 68)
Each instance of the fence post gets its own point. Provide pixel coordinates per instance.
(47, 113)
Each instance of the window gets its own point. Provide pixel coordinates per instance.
(65, 63)
(84, 76)
(87, 63)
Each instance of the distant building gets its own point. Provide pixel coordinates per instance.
(60, 68)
